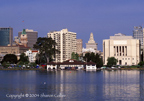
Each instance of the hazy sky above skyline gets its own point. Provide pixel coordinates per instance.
(103, 18)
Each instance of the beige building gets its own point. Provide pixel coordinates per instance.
(66, 43)
(79, 46)
(17, 50)
(124, 48)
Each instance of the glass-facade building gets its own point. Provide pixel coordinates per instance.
(138, 34)
(6, 36)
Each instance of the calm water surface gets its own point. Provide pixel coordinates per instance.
(120, 85)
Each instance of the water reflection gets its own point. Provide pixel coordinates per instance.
(76, 85)
(122, 85)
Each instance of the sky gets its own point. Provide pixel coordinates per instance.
(103, 18)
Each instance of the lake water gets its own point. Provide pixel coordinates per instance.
(120, 85)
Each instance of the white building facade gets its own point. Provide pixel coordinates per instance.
(124, 48)
(31, 55)
(66, 44)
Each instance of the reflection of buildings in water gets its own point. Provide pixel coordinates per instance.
(141, 84)
(23, 82)
(29, 80)
(121, 84)
(75, 84)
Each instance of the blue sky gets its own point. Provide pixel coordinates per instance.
(102, 17)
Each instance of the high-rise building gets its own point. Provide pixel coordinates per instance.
(6, 36)
(79, 46)
(66, 44)
(138, 34)
(31, 37)
(124, 48)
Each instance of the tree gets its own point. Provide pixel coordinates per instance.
(96, 58)
(92, 57)
(77, 56)
(10, 58)
(46, 47)
(74, 56)
(37, 59)
(111, 61)
(87, 57)
(24, 58)
(141, 63)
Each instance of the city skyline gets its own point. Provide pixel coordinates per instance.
(102, 18)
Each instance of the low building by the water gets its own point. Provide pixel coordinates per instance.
(91, 66)
(72, 64)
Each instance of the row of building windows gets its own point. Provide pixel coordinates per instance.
(127, 58)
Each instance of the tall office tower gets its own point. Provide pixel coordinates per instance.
(23, 38)
(91, 43)
(6, 36)
(66, 44)
(31, 37)
(79, 46)
(138, 34)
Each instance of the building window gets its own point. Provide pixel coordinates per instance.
(125, 58)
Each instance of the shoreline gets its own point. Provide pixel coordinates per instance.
(22, 69)
(98, 69)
